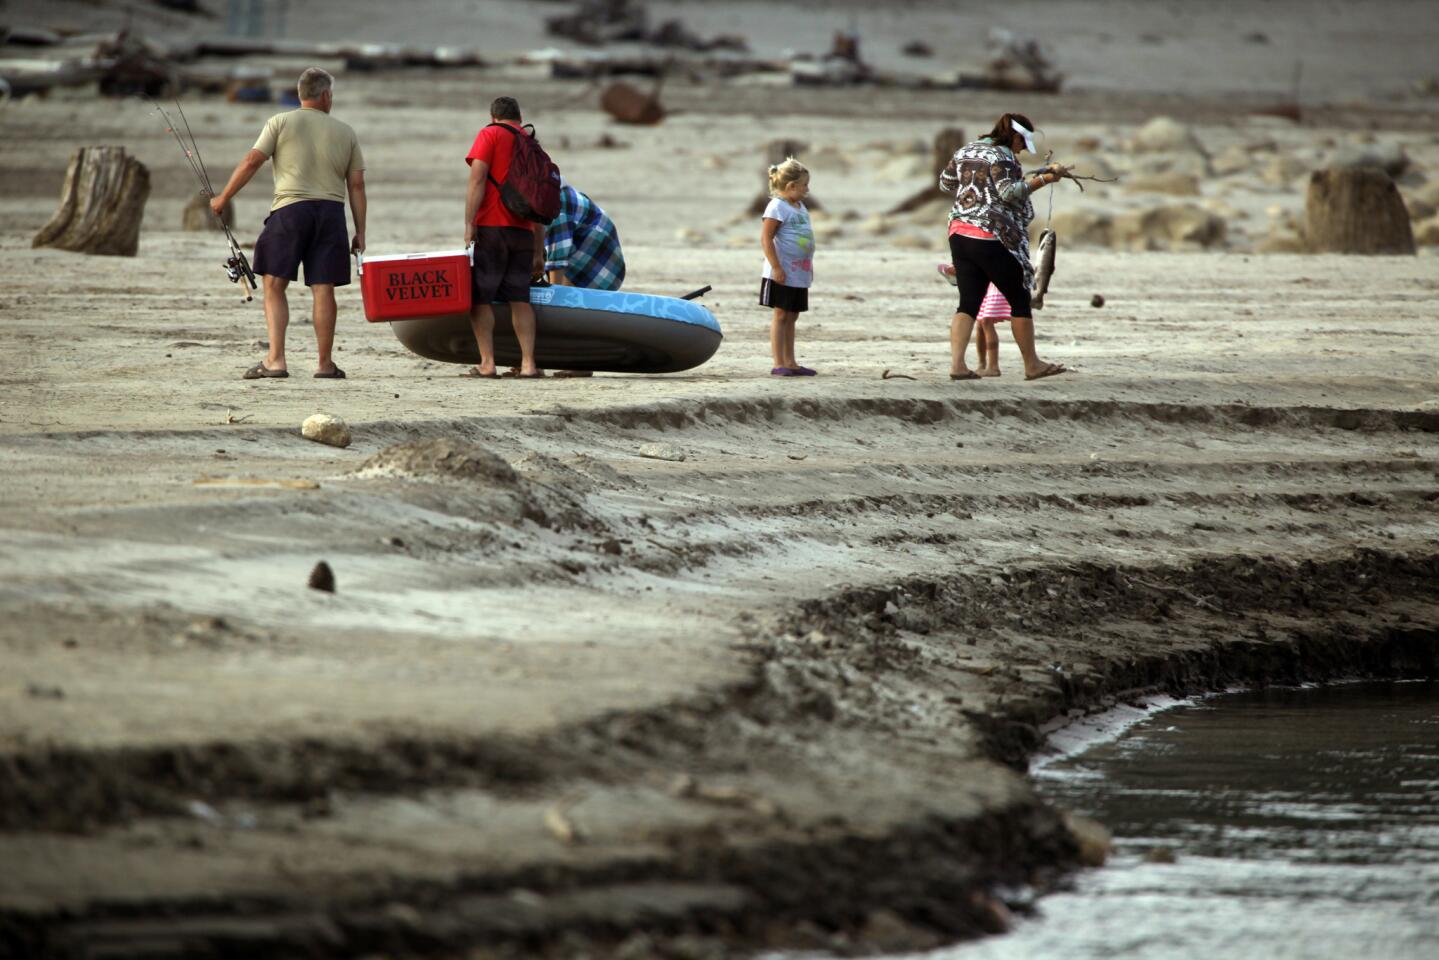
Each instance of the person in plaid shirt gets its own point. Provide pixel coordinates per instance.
(582, 246)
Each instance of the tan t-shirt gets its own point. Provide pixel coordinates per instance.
(312, 153)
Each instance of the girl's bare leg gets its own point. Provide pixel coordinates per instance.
(991, 352)
(777, 339)
(981, 361)
(792, 319)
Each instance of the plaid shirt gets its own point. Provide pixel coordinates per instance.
(583, 242)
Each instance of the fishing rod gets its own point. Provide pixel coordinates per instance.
(237, 267)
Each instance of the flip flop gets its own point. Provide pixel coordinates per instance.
(540, 375)
(946, 270)
(966, 375)
(474, 374)
(335, 374)
(805, 372)
(261, 372)
(783, 372)
(1050, 369)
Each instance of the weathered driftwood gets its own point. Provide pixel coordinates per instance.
(946, 143)
(197, 215)
(778, 151)
(628, 104)
(101, 205)
(1356, 210)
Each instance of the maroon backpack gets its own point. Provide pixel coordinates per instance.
(531, 190)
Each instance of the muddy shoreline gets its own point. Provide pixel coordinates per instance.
(772, 880)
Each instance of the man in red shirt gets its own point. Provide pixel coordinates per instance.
(509, 250)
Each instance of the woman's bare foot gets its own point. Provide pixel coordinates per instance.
(988, 371)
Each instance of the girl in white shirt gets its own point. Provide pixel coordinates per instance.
(787, 239)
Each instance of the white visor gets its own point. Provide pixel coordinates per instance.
(1028, 135)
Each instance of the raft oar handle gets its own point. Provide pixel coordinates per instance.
(696, 294)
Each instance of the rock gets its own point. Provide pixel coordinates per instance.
(1282, 170)
(1191, 162)
(1389, 157)
(1163, 135)
(1174, 184)
(1419, 209)
(442, 458)
(1235, 159)
(909, 241)
(1097, 300)
(322, 578)
(662, 451)
(1356, 210)
(1281, 239)
(1091, 838)
(1159, 855)
(877, 224)
(1426, 234)
(326, 428)
(885, 931)
(1083, 226)
(1176, 227)
(197, 215)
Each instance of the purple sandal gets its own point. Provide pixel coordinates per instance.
(783, 372)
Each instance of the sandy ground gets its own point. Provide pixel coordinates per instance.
(566, 686)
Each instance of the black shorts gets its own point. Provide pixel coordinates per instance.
(781, 297)
(977, 264)
(311, 232)
(504, 264)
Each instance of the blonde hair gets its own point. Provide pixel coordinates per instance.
(782, 175)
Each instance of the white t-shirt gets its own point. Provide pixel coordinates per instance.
(793, 242)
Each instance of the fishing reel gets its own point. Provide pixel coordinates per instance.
(235, 268)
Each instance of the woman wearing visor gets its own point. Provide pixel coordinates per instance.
(989, 236)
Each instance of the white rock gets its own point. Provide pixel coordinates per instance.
(1164, 134)
(662, 451)
(326, 428)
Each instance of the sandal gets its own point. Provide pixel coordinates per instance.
(474, 373)
(1050, 370)
(966, 375)
(335, 374)
(261, 372)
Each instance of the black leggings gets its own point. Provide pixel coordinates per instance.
(977, 264)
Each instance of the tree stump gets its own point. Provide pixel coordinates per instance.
(776, 152)
(197, 215)
(946, 143)
(1356, 210)
(628, 104)
(101, 205)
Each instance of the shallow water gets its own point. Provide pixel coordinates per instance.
(1304, 823)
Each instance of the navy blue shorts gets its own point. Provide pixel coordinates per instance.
(311, 232)
(504, 264)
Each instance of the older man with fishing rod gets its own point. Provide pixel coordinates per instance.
(317, 161)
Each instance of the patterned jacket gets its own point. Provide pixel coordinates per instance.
(992, 194)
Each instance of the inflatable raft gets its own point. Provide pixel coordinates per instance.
(425, 299)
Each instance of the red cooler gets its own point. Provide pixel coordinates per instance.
(406, 285)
